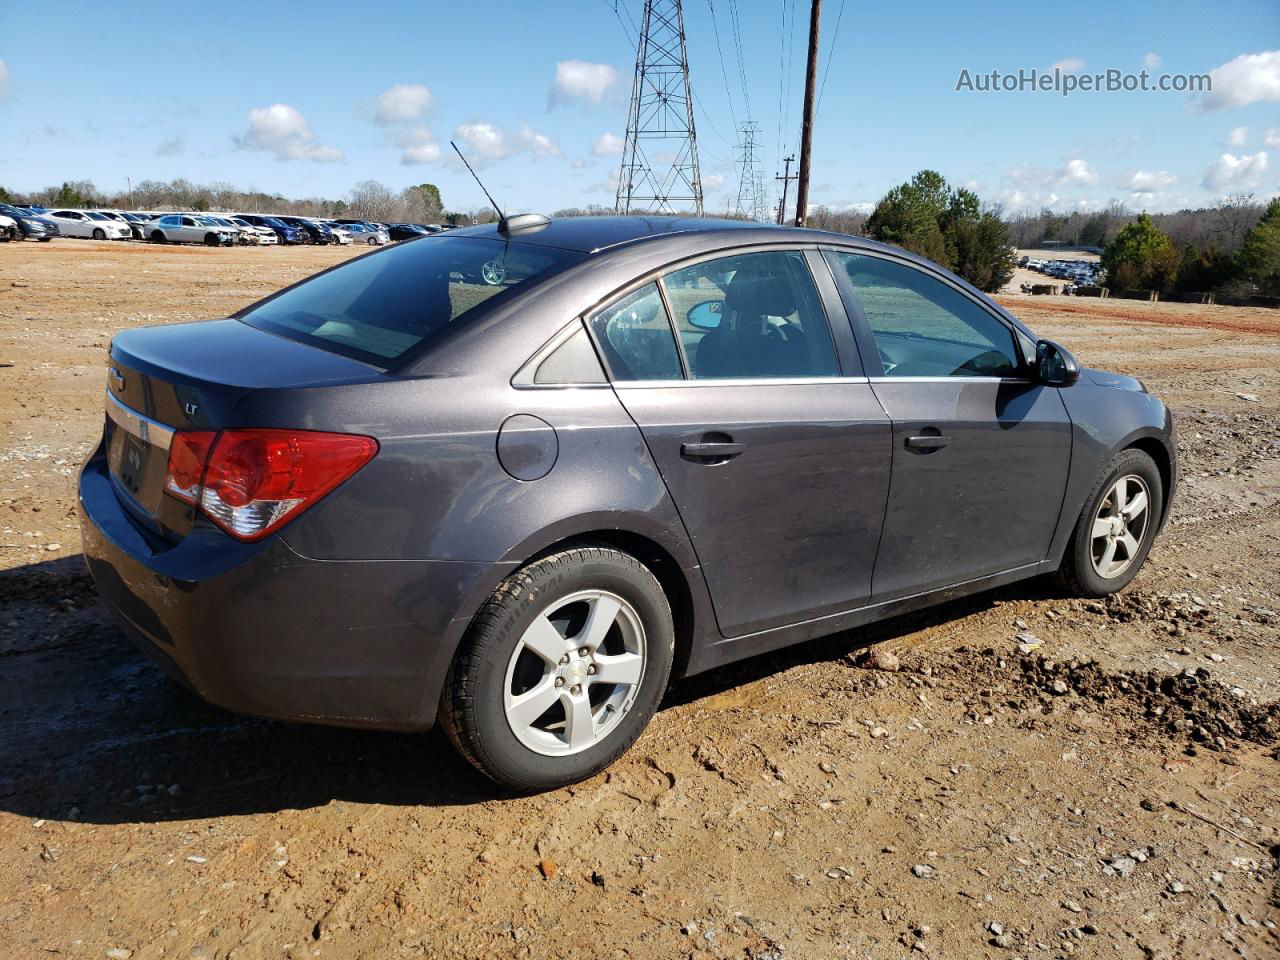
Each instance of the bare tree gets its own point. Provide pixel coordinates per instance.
(371, 200)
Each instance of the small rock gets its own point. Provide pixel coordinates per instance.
(1072, 906)
(826, 767)
(1251, 397)
(995, 928)
(52, 547)
(548, 868)
(1151, 806)
(197, 859)
(878, 658)
(922, 870)
(1059, 687)
(1123, 865)
(1004, 941)
(879, 733)
(1177, 887)
(119, 953)
(839, 873)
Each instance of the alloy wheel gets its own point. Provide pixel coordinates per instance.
(575, 673)
(1120, 526)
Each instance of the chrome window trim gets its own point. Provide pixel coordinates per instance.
(891, 379)
(144, 428)
(733, 382)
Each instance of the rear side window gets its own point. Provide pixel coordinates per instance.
(379, 307)
(635, 337)
(751, 316)
(925, 328)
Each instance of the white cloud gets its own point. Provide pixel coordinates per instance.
(1272, 138)
(1152, 61)
(1148, 180)
(1249, 78)
(4, 80)
(539, 144)
(1231, 172)
(579, 80)
(483, 142)
(418, 145)
(401, 103)
(1237, 137)
(1069, 65)
(608, 145)
(281, 130)
(713, 181)
(1076, 170)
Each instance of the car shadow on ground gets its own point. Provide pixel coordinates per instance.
(91, 730)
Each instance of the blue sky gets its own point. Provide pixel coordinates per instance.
(307, 99)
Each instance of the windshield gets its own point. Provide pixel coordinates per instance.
(379, 307)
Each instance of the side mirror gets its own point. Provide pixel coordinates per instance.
(705, 315)
(1055, 366)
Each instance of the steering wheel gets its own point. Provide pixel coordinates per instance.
(984, 364)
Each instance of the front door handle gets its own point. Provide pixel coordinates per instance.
(711, 450)
(927, 443)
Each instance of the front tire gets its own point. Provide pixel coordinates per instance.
(561, 670)
(158, 237)
(99, 233)
(1115, 531)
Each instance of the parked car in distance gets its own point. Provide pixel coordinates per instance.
(286, 233)
(338, 232)
(364, 233)
(119, 217)
(314, 231)
(137, 223)
(33, 226)
(9, 229)
(88, 224)
(264, 236)
(190, 228)
(658, 446)
(404, 231)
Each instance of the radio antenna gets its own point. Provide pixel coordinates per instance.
(493, 203)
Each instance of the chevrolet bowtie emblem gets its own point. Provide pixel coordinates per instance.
(117, 379)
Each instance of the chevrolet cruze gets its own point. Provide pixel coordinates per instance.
(516, 478)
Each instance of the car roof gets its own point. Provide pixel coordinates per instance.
(594, 234)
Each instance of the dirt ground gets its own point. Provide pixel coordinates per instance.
(1041, 777)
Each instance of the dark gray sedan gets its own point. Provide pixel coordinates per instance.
(517, 477)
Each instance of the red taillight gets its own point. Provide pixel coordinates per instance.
(253, 481)
(188, 452)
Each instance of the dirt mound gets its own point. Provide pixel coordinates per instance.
(1190, 706)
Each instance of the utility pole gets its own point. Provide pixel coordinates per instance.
(660, 120)
(129, 180)
(806, 131)
(786, 179)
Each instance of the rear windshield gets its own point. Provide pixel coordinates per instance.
(381, 306)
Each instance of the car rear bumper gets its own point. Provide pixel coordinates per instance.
(259, 629)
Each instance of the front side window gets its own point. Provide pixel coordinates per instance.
(379, 307)
(754, 316)
(922, 326)
(635, 337)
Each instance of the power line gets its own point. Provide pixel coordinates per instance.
(831, 53)
(736, 23)
(622, 23)
(724, 72)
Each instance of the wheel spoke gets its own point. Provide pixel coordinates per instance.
(545, 640)
(530, 705)
(1130, 545)
(1101, 527)
(604, 611)
(625, 668)
(579, 728)
(1119, 495)
(1108, 556)
(1135, 506)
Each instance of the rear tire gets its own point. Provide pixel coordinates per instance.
(598, 597)
(1098, 561)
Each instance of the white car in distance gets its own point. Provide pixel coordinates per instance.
(265, 235)
(89, 224)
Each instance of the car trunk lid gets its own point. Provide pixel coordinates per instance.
(191, 377)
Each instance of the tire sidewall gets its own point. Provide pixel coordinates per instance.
(547, 584)
(1127, 462)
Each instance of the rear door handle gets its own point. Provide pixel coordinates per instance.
(717, 450)
(932, 442)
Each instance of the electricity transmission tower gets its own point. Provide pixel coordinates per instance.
(751, 200)
(660, 120)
